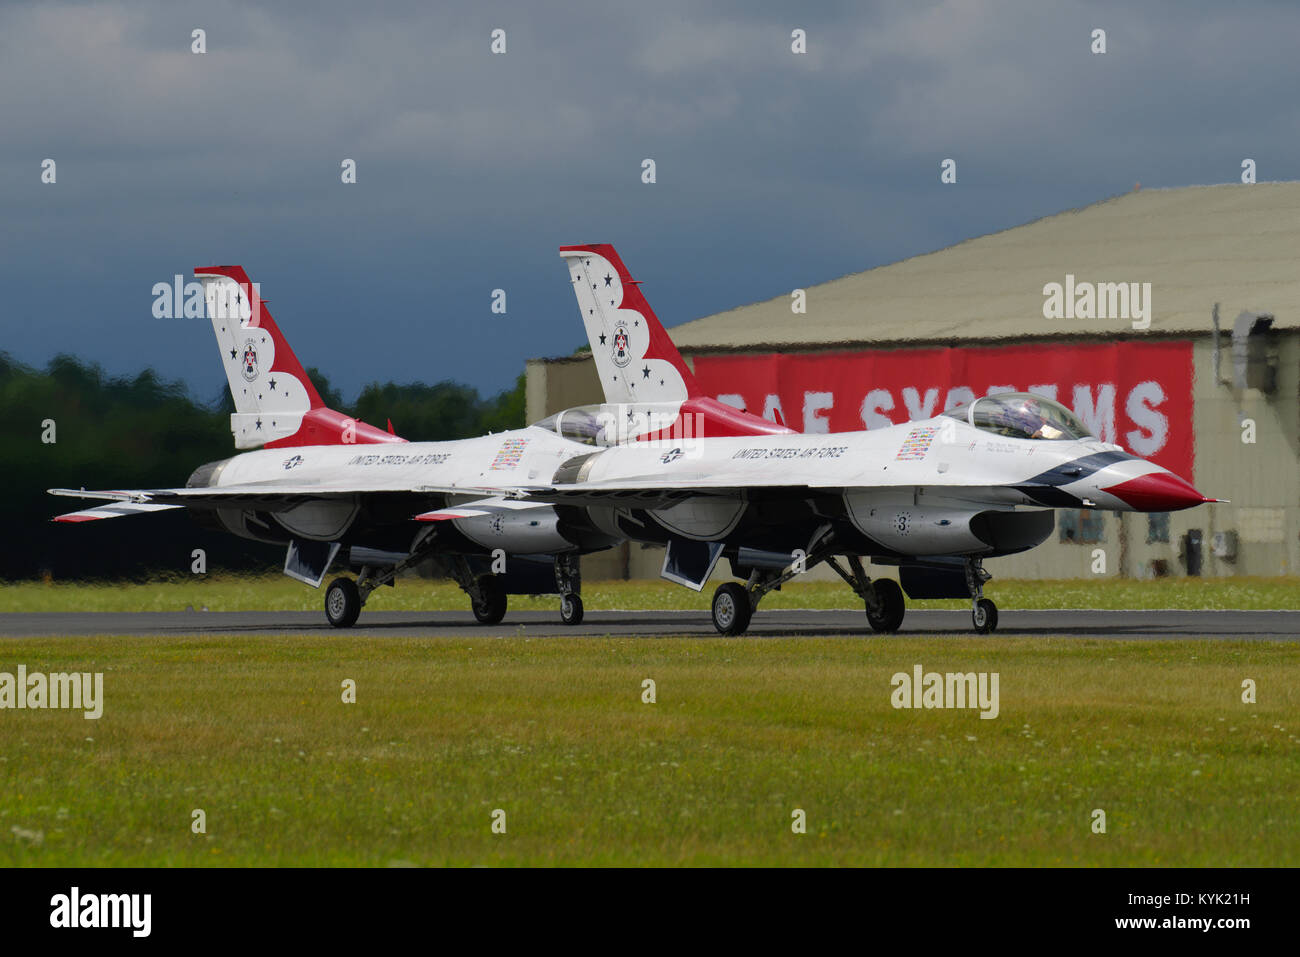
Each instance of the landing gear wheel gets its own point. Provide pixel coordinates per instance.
(892, 606)
(342, 603)
(491, 607)
(731, 609)
(571, 609)
(984, 616)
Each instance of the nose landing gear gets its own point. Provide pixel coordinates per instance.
(983, 613)
(568, 582)
(571, 609)
(984, 616)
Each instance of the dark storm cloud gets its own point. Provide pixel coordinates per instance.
(774, 170)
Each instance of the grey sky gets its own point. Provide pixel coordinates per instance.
(774, 170)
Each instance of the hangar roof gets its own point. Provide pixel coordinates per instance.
(1233, 244)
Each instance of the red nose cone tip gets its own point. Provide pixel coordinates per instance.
(1158, 492)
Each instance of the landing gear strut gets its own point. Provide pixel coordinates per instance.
(883, 598)
(568, 582)
(983, 613)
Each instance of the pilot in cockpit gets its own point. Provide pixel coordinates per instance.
(1037, 424)
(1021, 417)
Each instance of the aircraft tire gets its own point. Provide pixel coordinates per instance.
(571, 609)
(892, 606)
(984, 616)
(492, 608)
(342, 603)
(731, 609)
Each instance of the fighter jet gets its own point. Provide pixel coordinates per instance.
(933, 498)
(336, 492)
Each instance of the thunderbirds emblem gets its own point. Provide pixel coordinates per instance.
(622, 352)
(250, 360)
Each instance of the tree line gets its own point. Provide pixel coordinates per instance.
(72, 425)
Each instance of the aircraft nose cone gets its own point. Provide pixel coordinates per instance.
(1157, 492)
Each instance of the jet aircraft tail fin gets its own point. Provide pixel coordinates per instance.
(276, 404)
(636, 360)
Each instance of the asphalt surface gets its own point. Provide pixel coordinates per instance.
(1268, 625)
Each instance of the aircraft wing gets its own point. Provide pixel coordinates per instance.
(266, 496)
(276, 497)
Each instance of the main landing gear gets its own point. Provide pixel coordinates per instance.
(883, 598)
(487, 593)
(344, 597)
(732, 608)
(734, 604)
(488, 599)
(342, 603)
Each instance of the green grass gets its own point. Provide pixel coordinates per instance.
(252, 730)
(277, 593)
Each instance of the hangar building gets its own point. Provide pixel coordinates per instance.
(1173, 329)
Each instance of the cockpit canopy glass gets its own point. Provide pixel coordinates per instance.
(585, 424)
(1022, 415)
(606, 425)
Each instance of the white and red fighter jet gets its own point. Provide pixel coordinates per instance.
(932, 497)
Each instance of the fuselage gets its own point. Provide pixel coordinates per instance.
(410, 478)
(937, 487)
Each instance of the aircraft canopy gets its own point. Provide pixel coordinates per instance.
(586, 424)
(1022, 415)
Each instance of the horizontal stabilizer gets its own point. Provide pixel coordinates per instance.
(116, 510)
